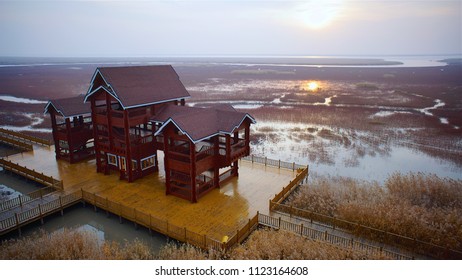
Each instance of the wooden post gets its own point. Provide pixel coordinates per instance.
(301, 229)
(279, 164)
(61, 206)
(40, 212)
(279, 226)
(17, 223)
(325, 235)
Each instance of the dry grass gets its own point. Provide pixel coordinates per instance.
(71, 245)
(265, 244)
(419, 206)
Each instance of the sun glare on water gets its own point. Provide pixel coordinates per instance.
(312, 86)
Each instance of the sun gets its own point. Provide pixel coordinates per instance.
(319, 14)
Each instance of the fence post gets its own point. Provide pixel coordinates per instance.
(279, 164)
(279, 226)
(17, 223)
(301, 229)
(266, 160)
(40, 212)
(61, 205)
(325, 235)
(20, 201)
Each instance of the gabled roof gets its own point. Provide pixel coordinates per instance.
(201, 123)
(135, 86)
(69, 107)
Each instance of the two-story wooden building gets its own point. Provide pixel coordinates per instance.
(136, 111)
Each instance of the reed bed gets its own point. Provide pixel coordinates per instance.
(416, 205)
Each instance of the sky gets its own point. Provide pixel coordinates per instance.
(230, 28)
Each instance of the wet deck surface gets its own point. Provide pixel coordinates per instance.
(221, 212)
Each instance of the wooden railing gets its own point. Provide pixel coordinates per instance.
(324, 236)
(153, 223)
(272, 162)
(20, 200)
(15, 143)
(26, 137)
(31, 174)
(412, 244)
(39, 212)
(302, 175)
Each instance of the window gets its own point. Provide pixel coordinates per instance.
(123, 165)
(112, 159)
(134, 165)
(148, 162)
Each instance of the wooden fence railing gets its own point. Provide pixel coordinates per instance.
(272, 162)
(324, 236)
(24, 137)
(290, 187)
(31, 174)
(39, 212)
(20, 200)
(153, 223)
(412, 244)
(15, 143)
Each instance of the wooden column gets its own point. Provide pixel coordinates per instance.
(228, 148)
(55, 132)
(69, 140)
(166, 161)
(216, 167)
(247, 136)
(192, 152)
(95, 136)
(128, 152)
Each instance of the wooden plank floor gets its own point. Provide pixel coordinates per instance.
(221, 212)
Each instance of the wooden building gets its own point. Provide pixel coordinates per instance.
(136, 111)
(72, 128)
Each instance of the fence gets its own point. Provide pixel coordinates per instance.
(15, 143)
(272, 162)
(31, 174)
(324, 236)
(290, 187)
(24, 137)
(39, 212)
(153, 223)
(415, 245)
(20, 200)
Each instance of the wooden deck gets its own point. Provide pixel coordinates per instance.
(220, 213)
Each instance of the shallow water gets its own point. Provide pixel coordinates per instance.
(362, 156)
(104, 227)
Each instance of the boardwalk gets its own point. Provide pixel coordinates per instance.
(220, 213)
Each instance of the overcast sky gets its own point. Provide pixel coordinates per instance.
(225, 27)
